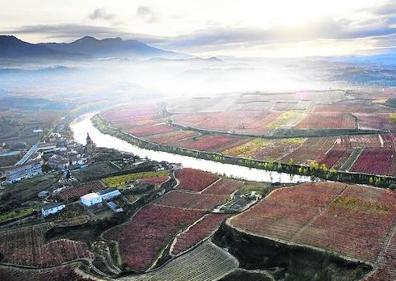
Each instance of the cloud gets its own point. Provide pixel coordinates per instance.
(101, 14)
(146, 14)
(389, 8)
(326, 28)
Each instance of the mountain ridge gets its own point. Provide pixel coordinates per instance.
(85, 47)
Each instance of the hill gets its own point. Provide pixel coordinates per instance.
(86, 47)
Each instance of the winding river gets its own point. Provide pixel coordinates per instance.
(83, 125)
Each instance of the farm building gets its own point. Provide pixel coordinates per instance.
(113, 206)
(52, 209)
(43, 194)
(109, 193)
(91, 199)
(23, 171)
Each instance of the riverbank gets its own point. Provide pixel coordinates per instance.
(84, 125)
(304, 173)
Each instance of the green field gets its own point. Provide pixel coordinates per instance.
(118, 181)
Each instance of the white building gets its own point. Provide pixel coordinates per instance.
(52, 209)
(109, 193)
(23, 171)
(90, 199)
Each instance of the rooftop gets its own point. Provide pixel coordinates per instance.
(108, 190)
(52, 205)
(90, 196)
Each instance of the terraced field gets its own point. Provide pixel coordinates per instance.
(60, 273)
(353, 221)
(27, 247)
(205, 263)
(142, 239)
(195, 180)
(191, 200)
(196, 233)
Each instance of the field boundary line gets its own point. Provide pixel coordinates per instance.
(210, 185)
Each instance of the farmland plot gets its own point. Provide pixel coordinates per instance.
(194, 180)
(353, 221)
(59, 273)
(26, 246)
(205, 263)
(192, 200)
(142, 239)
(197, 233)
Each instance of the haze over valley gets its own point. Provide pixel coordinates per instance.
(208, 141)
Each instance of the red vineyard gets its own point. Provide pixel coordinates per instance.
(149, 231)
(27, 247)
(321, 214)
(194, 180)
(223, 187)
(192, 200)
(75, 192)
(197, 233)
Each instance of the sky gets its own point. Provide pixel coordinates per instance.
(242, 28)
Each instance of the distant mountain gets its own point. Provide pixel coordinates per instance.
(86, 47)
(187, 58)
(112, 47)
(41, 71)
(14, 48)
(384, 59)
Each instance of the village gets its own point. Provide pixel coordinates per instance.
(59, 179)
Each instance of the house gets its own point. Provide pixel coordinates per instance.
(91, 199)
(113, 206)
(53, 208)
(43, 194)
(58, 162)
(109, 193)
(77, 160)
(27, 170)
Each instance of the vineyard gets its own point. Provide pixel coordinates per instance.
(194, 180)
(172, 138)
(353, 221)
(155, 180)
(386, 264)
(26, 246)
(205, 263)
(239, 121)
(122, 180)
(376, 161)
(327, 120)
(60, 273)
(223, 187)
(376, 121)
(214, 143)
(338, 153)
(334, 157)
(197, 233)
(151, 129)
(126, 116)
(142, 239)
(264, 149)
(75, 192)
(192, 200)
(312, 149)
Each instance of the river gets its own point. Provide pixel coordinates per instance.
(83, 125)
